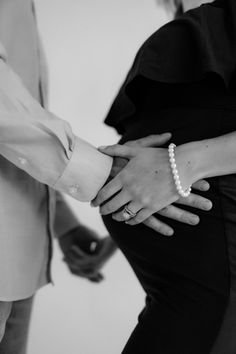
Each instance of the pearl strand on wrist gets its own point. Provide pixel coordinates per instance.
(180, 190)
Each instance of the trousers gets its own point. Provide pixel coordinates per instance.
(14, 325)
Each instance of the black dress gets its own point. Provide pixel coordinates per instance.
(183, 81)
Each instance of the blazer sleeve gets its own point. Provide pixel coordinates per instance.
(44, 145)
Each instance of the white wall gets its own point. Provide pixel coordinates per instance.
(90, 46)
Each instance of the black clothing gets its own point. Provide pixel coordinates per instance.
(199, 44)
(185, 276)
(183, 81)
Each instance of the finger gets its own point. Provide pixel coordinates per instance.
(201, 185)
(133, 207)
(196, 201)
(97, 279)
(180, 215)
(107, 191)
(79, 272)
(115, 203)
(140, 217)
(88, 271)
(81, 264)
(80, 254)
(159, 226)
(73, 256)
(151, 140)
(118, 150)
(75, 252)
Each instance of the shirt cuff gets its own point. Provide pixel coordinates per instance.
(86, 172)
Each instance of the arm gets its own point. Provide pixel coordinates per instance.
(147, 184)
(207, 158)
(44, 146)
(127, 182)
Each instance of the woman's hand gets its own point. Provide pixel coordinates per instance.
(176, 213)
(146, 186)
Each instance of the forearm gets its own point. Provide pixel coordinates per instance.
(44, 146)
(207, 158)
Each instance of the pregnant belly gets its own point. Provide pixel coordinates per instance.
(197, 252)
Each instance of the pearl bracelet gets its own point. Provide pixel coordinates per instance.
(182, 193)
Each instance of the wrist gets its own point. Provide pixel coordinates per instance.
(190, 163)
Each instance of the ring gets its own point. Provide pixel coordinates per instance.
(128, 214)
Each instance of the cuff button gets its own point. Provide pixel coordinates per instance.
(74, 189)
(22, 161)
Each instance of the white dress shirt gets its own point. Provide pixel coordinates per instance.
(39, 154)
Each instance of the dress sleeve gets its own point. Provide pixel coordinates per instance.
(200, 44)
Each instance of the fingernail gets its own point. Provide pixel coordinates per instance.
(169, 233)
(194, 220)
(207, 205)
(166, 134)
(205, 187)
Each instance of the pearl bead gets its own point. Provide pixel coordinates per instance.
(182, 193)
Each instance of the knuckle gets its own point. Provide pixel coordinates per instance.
(195, 202)
(164, 211)
(183, 217)
(124, 179)
(145, 200)
(136, 192)
(130, 143)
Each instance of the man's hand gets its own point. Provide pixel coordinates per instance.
(85, 254)
(170, 211)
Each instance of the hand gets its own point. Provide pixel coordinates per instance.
(85, 253)
(150, 141)
(169, 211)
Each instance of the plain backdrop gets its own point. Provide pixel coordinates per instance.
(90, 45)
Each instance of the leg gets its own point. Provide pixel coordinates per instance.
(5, 310)
(164, 330)
(17, 326)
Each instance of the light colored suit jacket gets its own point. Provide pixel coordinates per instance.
(39, 154)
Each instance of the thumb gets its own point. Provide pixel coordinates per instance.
(118, 150)
(154, 140)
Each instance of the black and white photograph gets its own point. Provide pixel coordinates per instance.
(118, 177)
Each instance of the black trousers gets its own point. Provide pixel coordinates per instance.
(187, 277)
